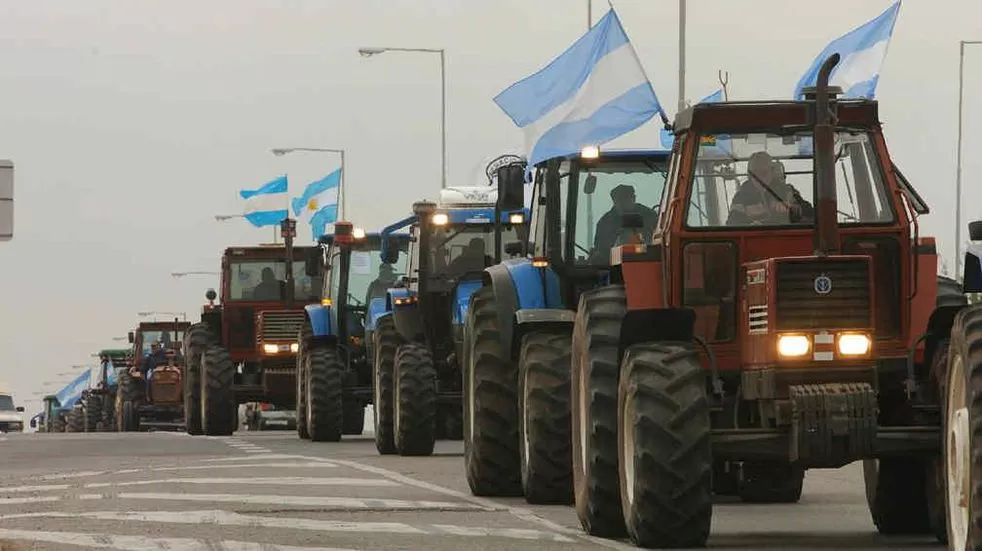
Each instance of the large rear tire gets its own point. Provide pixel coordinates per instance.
(895, 495)
(325, 376)
(595, 373)
(415, 399)
(490, 395)
(962, 449)
(196, 340)
(128, 393)
(547, 469)
(75, 421)
(218, 408)
(301, 400)
(92, 411)
(666, 463)
(387, 341)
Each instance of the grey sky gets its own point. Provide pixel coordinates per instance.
(133, 123)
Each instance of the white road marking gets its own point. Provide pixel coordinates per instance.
(311, 501)
(79, 474)
(281, 481)
(128, 471)
(308, 465)
(42, 488)
(228, 518)
(141, 543)
(22, 500)
(270, 456)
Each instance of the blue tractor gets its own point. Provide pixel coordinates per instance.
(417, 340)
(517, 406)
(334, 375)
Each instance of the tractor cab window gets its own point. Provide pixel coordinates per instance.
(264, 279)
(600, 195)
(767, 180)
(461, 248)
(368, 278)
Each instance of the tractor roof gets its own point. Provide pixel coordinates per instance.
(750, 116)
(266, 251)
(468, 197)
(114, 352)
(163, 325)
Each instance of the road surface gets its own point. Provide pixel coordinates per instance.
(269, 491)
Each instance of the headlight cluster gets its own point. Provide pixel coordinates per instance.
(277, 348)
(850, 345)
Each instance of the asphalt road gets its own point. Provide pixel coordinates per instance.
(270, 491)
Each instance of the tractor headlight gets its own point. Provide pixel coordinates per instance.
(358, 233)
(590, 152)
(517, 218)
(295, 347)
(440, 219)
(793, 346)
(853, 344)
(271, 348)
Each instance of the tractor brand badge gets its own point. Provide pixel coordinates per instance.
(823, 284)
(755, 277)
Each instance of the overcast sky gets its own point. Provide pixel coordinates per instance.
(131, 124)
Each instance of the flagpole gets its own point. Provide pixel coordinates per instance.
(342, 194)
(681, 55)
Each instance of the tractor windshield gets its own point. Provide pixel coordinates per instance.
(263, 279)
(460, 248)
(369, 276)
(765, 180)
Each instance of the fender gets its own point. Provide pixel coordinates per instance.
(408, 321)
(321, 320)
(518, 285)
(376, 309)
(655, 324)
(533, 319)
(462, 295)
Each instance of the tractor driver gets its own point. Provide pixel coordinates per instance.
(610, 225)
(766, 197)
(472, 259)
(269, 288)
(385, 280)
(157, 356)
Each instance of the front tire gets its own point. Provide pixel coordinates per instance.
(490, 395)
(595, 374)
(387, 341)
(962, 450)
(218, 411)
(196, 341)
(546, 456)
(325, 374)
(666, 463)
(415, 400)
(92, 412)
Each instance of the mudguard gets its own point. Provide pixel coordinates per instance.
(321, 320)
(462, 297)
(376, 309)
(972, 269)
(517, 285)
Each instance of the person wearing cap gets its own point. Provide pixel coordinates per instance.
(611, 225)
(158, 355)
(385, 280)
(766, 197)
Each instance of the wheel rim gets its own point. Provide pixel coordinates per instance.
(377, 392)
(308, 394)
(582, 399)
(628, 449)
(958, 456)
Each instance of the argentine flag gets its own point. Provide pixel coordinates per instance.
(266, 206)
(862, 52)
(318, 205)
(72, 393)
(593, 92)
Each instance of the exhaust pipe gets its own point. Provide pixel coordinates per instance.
(826, 216)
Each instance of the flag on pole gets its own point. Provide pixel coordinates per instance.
(862, 52)
(592, 93)
(266, 206)
(318, 205)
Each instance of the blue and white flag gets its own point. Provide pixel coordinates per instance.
(592, 93)
(72, 393)
(318, 205)
(668, 139)
(862, 52)
(266, 206)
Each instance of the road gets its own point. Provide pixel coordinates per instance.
(269, 491)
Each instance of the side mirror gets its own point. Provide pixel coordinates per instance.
(514, 248)
(313, 263)
(975, 230)
(632, 221)
(131, 337)
(210, 295)
(20, 409)
(511, 187)
(590, 184)
(389, 253)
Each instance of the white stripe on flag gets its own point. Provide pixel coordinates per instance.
(860, 65)
(326, 198)
(612, 76)
(265, 202)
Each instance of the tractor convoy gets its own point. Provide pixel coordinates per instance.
(657, 328)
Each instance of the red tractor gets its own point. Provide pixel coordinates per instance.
(158, 403)
(783, 314)
(245, 348)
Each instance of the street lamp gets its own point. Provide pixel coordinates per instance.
(342, 195)
(958, 169)
(369, 52)
(183, 315)
(224, 217)
(184, 274)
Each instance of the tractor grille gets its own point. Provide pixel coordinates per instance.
(800, 307)
(279, 326)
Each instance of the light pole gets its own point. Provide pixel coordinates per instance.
(369, 52)
(342, 196)
(681, 54)
(958, 163)
(184, 316)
